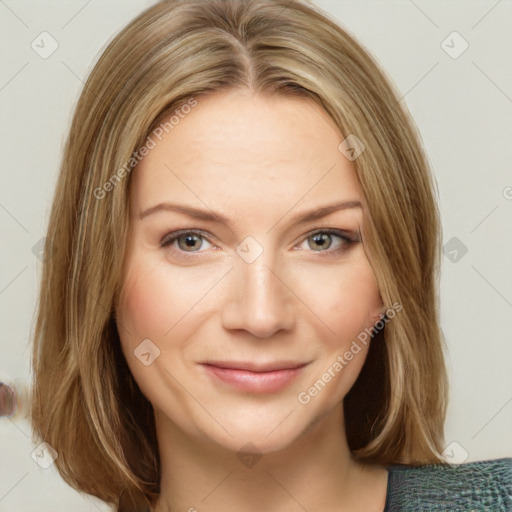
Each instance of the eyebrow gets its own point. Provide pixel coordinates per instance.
(208, 215)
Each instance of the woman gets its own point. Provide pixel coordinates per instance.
(197, 347)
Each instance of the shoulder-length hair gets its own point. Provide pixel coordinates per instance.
(85, 402)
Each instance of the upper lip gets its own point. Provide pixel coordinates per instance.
(256, 367)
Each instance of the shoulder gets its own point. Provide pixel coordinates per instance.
(474, 486)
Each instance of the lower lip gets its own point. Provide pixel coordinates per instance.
(254, 382)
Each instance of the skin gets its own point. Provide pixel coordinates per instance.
(259, 161)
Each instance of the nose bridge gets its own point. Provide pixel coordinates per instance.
(261, 283)
(260, 300)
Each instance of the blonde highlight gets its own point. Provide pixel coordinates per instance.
(84, 402)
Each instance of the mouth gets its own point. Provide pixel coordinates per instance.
(254, 377)
(256, 367)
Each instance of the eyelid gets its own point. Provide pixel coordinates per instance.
(173, 235)
(346, 236)
(342, 233)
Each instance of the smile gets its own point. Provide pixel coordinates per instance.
(252, 378)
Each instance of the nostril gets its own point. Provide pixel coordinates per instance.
(7, 399)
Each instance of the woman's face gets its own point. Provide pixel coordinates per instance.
(227, 329)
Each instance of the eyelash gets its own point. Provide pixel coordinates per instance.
(170, 238)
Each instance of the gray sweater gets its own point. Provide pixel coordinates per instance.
(473, 486)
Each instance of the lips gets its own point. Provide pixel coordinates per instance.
(255, 367)
(253, 377)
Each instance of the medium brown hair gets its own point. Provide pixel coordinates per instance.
(85, 402)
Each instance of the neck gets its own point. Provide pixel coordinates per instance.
(316, 471)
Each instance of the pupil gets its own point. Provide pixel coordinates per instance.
(190, 241)
(318, 238)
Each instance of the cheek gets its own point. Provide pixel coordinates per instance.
(150, 308)
(352, 301)
(156, 301)
(352, 306)
(142, 307)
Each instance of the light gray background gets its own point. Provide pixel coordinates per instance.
(463, 107)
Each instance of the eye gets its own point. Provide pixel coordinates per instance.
(321, 241)
(187, 241)
(190, 241)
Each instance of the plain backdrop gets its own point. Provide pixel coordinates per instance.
(458, 88)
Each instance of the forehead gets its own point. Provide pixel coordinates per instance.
(237, 148)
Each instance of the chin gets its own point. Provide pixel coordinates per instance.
(258, 432)
(255, 441)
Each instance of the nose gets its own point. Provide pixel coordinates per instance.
(260, 300)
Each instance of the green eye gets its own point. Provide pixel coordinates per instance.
(323, 240)
(186, 240)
